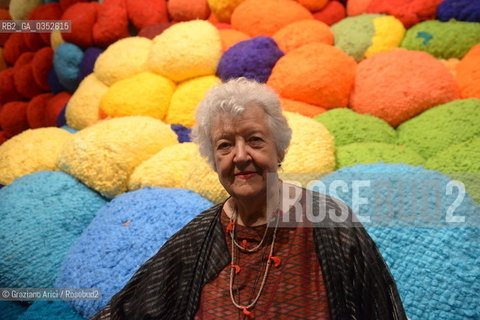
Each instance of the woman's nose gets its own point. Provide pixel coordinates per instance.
(241, 152)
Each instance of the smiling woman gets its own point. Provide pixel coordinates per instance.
(237, 260)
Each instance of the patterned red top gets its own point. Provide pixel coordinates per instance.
(293, 290)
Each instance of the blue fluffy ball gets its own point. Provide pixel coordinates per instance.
(124, 234)
(10, 310)
(437, 269)
(46, 310)
(253, 59)
(183, 133)
(66, 61)
(88, 62)
(462, 10)
(42, 215)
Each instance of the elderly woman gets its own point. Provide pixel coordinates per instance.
(239, 259)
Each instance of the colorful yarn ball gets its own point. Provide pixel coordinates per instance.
(367, 34)
(153, 30)
(83, 16)
(123, 236)
(461, 162)
(441, 127)
(201, 179)
(443, 40)
(65, 4)
(104, 155)
(357, 7)
(25, 81)
(186, 97)
(252, 59)
(186, 50)
(36, 110)
(54, 107)
(13, 117)
(461, 10)
(147, 12)
(185, 10)
(348, 127)
(451, 65)
(373, 152)
(8, 92)
(42, 215)
(168, 168)
(305, 109)
(231, 37)
(313, 5)
(468, 74)
(123, 59)
(183, 133)
(435, 268)
(42, 63)
(267, 17)
(67, 61)
(83, 108)
(399, 84)
(315, 73)
(223, 9)
(408, 12)
(41, 310)
(31, 151)
(11, 310)
(54, 82)
(301, 33)
(19, 9)
(333, 12)
(111, 24)
(4, 15)
(56, 40)
(51, 11)
(90, 56)
(3, 64)
(145, 94)
(313, 159)
(14, 47)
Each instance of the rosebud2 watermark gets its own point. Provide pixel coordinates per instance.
(49, 294)
(33, 26)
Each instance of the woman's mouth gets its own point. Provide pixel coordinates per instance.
(245, 174)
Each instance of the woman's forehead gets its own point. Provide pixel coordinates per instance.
(251, 120)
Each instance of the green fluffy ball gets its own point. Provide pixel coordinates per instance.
(372, 152)
(441, 127)
(443, 40)
(348, 127)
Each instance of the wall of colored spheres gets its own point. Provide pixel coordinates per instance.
(97, 169)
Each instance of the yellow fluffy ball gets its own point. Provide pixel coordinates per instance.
(123, 59)
(223, 9)
(56, 40)
(145, 94)
(104, 155)
(19, 9)
(167, 168)
(204, 181)
(311, 152)
(83, 107)
(31, 151)
(186, 98)
(186, 50)
(389, 32)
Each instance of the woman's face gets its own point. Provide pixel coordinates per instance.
(245, 152)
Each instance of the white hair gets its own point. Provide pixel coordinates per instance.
(232, 98)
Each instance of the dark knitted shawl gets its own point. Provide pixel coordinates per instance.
(168, 286)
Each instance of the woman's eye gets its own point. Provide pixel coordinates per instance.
(255, 139)
(223, 146)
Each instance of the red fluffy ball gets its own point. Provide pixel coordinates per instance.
(14, 118)
(8, 92)
(84, 17)
(112, 25)
(42, 63)
(14, 47)
(54, 106)
(37, 110)
(147, 12)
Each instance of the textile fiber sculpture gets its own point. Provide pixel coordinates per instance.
(67, 61)
(40, 310)
(104, 155)
(468, 74)
(300, 33)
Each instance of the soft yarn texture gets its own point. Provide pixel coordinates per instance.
(19, 9)
(42, 215)
(41, 310)
(14, 47)
(11, 310)
(83, 108)
(185, 10)
(67, 61)
(83, 16)
(111, 25)
(315, 73)
(90, 56)
(382, 81)
(31, 151)
(223, 9)
(145, 94)
(348, 127)
(37, 110)
(147, 12)
(305, 109)
(42, 63)
(252, 59)
(183, 133)
(300, 33)
(229, 37)
(104, 155)
(462, 10)
(123, 59)
(436, 269)
(443, 40)
(54, 107)
(373, 152)
(186, 97)
(409, 12)
(266, 17)
(441, 127)
(333, 12)
(8, 92)
(125, 234)
(468, 74)
(168, 168)
(13, 117)
(186, 50)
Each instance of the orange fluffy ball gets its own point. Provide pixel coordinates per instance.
(230, 37)
(308, 110)
(313, 5)
(316, 73)
(266, 17)
(333, 12)
(468, 74)
(185, 10)
(301, 33)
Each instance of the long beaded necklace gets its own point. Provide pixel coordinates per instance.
(236, 268)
